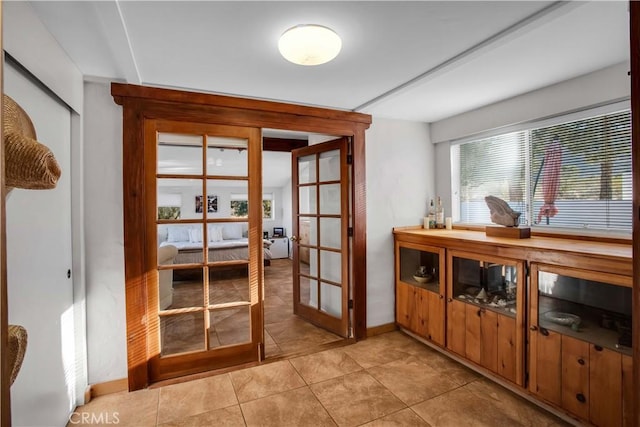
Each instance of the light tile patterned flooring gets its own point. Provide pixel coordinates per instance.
(387, 380)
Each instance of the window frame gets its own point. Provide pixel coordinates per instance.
(574, 115)
(241, 197)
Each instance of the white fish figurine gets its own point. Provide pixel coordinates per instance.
(501, 212)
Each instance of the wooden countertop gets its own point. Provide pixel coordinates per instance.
(601, 256)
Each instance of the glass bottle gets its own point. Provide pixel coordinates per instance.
(439, 214)
(432, 215)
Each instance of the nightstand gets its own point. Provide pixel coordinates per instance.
(279, 247)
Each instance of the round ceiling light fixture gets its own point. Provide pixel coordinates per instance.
(309, 44)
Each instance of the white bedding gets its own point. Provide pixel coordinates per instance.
(223, 244)
(224, 250)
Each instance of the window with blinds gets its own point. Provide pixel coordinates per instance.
(568, 175)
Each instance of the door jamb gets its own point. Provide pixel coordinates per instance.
(140, 103)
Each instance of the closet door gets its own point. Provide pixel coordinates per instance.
(40, 291)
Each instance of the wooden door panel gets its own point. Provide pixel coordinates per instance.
(473, 333)
(456, 326)
(627, 391)
(489, 340)
(575, 376)
(506, 347)
(421, 324)
(548, 366)
(605, 386)
(435, 328)
(405, 297)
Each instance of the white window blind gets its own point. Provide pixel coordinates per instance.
(170, 200)
(569, 175)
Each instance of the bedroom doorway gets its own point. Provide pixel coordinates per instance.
(145, 107)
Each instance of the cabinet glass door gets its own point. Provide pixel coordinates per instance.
(487, 284)
(573, 304)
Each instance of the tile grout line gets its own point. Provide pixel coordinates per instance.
(158, 408)
(322, 404)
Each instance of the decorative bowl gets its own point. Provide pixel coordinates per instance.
(565, 319)
(422, 279)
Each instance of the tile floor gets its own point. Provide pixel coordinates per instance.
(285, 333)
(387, 380)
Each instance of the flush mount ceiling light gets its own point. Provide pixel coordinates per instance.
(309, 44)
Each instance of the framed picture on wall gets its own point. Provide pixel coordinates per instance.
(212, 204)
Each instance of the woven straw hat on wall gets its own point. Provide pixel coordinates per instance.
(28, 163)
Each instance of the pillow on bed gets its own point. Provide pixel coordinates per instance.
(177, 234)
(195, 235)
(232, 231)
(215, 233)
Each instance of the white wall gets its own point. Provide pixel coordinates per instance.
(188, 194)
(106, 320)
(31, 44)
(400, 181)
(287, 209)
(601, 86)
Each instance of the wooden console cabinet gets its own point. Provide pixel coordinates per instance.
(553, 317)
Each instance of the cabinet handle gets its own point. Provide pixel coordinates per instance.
(533, 327)
(441, 296)
(479, 312)
(581, 361)
(597, 348)
(294, 238)
(581, 398)
(449, 300)
(544, 332)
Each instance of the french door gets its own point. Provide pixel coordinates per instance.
(320, 176)
(204, 256)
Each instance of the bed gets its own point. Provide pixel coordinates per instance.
(225, 243)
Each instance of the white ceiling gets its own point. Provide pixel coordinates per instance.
(415, 60)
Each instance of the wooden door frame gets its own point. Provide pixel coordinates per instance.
(140, 103)
(634, 27)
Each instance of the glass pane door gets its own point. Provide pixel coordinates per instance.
(321, 288)
(206, 294)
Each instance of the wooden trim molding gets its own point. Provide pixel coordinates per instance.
(108, 387)
(142, 103)
(381, 329)
(282, 144)
(212, 100)
(359, 191)
(634, 25)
